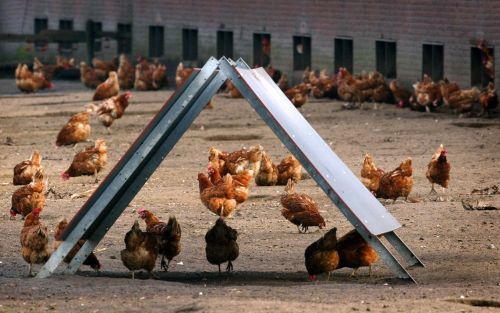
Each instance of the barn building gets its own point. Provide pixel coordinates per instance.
(401, 39)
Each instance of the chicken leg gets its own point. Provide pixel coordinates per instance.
(95, 176)
(164, 265)
(30, 274)
(354, 270)
(444, 195)
(229, 267)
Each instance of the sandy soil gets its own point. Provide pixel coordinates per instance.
(458, 247)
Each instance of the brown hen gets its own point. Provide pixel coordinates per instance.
(355, 252)
(168, 235)
(25, 171)
(300, 209)
(29, 197)
(34, 240)
(76, 130)
(89, 161)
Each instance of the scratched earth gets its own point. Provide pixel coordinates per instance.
(459, 247)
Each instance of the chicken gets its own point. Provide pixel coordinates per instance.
(401, 94)
(65, 62)
(217, 159)
(106, 66)
(289, 168)
(438, 169)
(111, 109)
(89, 161)
(397, 183)
(47, 71)
(219, 198)
(159, 77)
(25, 171)
(143, 77)
(300, 209)
(168, 235)
(427, 93)
(221, 245)
(182, 74)
(34, 240)
(489, 99)
(356, 90)
(274, 73)
(240, 182)
(29, 197)
(298, 95)
(107, 89)
(355, 252)
(321, 256)
(371, 174)
(242, 159)
(283, 83)
(268, 172)
(90, 77)
(28, 82)
(141, 250)
(233, 91)
(323, 86)
(91, 260)
(457, 99)
(126, 73)
(76, 130)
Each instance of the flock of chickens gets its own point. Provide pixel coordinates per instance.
(107, 77)
(225, 187)
(358, 89)
(226, 184)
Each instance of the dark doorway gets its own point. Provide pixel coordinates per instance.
(224, 44)
(156, 41)
(261, 50)
(343, 54)
(301, 52)
(386, 58)
(433, 61)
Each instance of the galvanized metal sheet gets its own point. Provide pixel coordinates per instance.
(347, 187)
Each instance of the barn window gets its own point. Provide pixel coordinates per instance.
(433, 60)
(224, 44)
(343, 54)
(261, 49)
(125, 38)
(301, 52)
(40, 24)
(481, 75)
(98, 40)
(155, 41)
(190, 44)
(386, 58)
(65, 25)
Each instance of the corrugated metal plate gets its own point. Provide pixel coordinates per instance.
(339, 177)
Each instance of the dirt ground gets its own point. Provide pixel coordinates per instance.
(459, 247)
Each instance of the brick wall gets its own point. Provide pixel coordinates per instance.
(456, 24)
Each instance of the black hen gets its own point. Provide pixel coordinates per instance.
(221, 245)
(321, 256)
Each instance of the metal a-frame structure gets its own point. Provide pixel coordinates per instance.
(360, 207)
